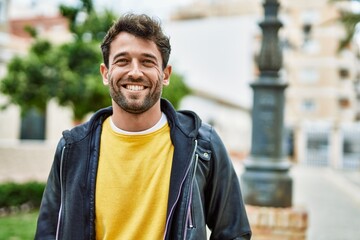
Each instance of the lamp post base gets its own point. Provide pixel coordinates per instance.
(266, 188)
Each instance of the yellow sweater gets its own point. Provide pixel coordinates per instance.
(132, 185)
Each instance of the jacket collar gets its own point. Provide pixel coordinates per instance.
(186, 121)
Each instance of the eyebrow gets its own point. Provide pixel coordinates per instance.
(121, 54)
(150, 56)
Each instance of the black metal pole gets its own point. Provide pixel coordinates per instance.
(266, 180)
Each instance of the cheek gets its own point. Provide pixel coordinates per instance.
(115, 74)
(115, 69)
(159, 82)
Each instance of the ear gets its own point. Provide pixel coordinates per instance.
(167, 73)
(104, 73)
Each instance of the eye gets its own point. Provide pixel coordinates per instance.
(121, 61)
(149, 62)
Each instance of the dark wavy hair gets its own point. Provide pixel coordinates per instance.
(141, 26)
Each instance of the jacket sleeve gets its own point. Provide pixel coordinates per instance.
(226, 216)
(50, 203)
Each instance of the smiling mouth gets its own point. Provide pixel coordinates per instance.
(134, 87)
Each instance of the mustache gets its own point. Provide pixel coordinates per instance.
(133, 80)
(128, 80)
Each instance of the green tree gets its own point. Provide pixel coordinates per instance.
(70, 72)
(349, 20)
(81, 86)
(176, 90)
(31, 81)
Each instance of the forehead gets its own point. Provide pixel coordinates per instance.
(128, 43)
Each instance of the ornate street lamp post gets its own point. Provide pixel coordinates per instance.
(266, 180)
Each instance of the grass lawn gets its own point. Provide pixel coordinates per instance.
(19, 226)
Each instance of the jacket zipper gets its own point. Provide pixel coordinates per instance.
(190, 215)
(189, 223)
(178, 195)
(61, 194)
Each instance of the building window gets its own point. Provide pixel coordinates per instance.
(309, 18)
(306, 32)
(309, 75)
(308, 105)
(344, 102)
(344, 73)
(2, 12)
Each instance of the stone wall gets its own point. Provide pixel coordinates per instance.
(278, 223)
(26, 161)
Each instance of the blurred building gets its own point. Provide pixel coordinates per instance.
(54, 28)
(215, 56)
(15, 41)
(9, 46)
(321, 78)
(322, 100)
(24, 160)
(217, 8)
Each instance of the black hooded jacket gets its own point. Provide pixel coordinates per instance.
(204, 188)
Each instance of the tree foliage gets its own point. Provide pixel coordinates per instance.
(32, 80)
(69, 72)
(349, 20)
(176, 90)
(81, 87)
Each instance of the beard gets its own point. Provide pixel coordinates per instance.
(135, 103)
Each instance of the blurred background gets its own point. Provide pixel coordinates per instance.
(50, 81)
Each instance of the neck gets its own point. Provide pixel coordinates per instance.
(136, 122)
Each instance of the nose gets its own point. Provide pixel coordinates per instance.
(135, 70)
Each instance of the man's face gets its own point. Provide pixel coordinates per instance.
(135, 76)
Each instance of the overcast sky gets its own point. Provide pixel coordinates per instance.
(160, 8)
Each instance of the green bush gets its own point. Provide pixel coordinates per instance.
(17, 194)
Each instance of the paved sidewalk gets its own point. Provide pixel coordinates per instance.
(332, 198)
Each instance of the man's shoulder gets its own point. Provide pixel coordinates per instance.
(82, 130)
(205, 131)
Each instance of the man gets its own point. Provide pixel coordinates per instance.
(140, 169)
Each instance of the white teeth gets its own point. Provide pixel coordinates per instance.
(134, 87)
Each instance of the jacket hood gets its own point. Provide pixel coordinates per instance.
(187, 122)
